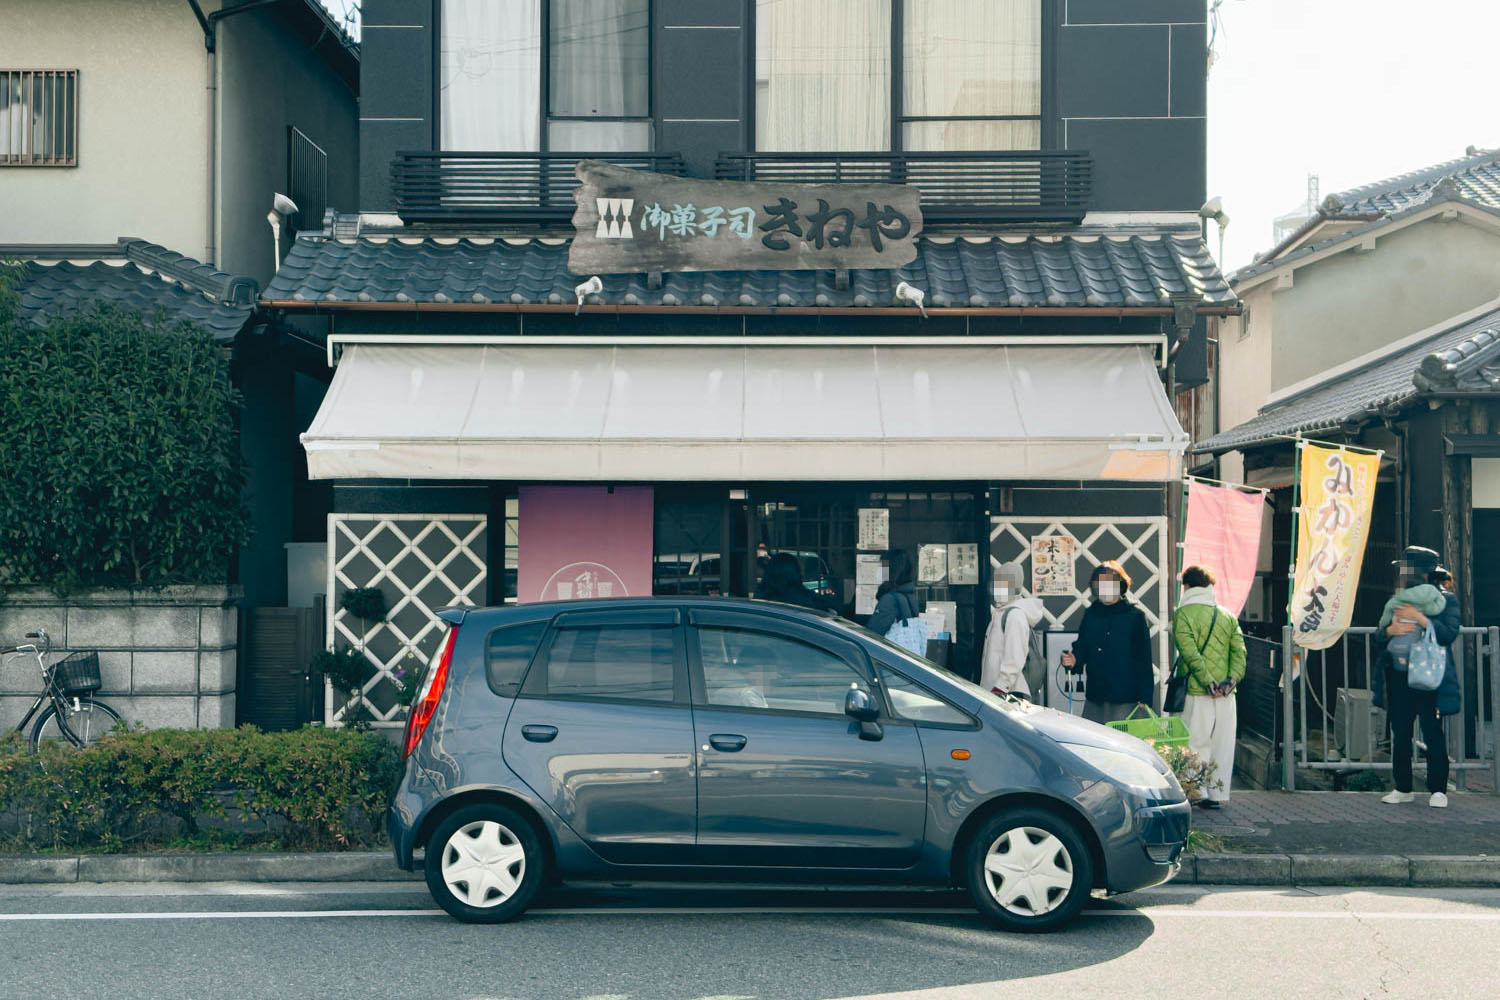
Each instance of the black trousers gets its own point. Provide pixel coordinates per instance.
(1407, 707)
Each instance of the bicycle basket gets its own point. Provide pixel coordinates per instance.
(78, 673)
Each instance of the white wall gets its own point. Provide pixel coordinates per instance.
(142, 124)
(1486, 482)
(1244, 370)
(1351, 303)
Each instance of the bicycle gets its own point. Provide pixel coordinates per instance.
(71, 715)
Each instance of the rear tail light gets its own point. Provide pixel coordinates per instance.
(426, 701)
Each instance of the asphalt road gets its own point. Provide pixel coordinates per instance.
(210, 941)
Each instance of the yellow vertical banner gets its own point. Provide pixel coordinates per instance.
(1337, 494)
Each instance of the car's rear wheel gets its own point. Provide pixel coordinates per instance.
(484, 864)
(1029, 870)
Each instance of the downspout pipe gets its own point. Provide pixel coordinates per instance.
(210, 24)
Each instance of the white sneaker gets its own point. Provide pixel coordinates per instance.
(1438, 801)
(1397, 798)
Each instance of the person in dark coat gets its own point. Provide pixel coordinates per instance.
(896, 600)
(1114, 647)
(783, 582)
(1418, 566)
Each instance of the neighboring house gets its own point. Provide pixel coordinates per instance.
(491, 409)
(1372, 324)
(142, 143)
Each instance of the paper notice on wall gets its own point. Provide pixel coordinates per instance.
(963, 564)
(1052, 558)
(864, 598)
(874, 528)
(934, 620)
(869, 571)
(949, 612)
(932, 563)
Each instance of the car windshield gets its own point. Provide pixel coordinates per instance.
(920, 666)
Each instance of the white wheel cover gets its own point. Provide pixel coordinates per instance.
(483, 863)
(1028, 871)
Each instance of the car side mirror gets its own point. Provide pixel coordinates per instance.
(858, 705)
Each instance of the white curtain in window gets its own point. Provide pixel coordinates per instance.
(822, 75)
(491, 74)
(964, 58)
(599, 58)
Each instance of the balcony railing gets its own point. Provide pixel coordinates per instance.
(958, 189)
(518, 188)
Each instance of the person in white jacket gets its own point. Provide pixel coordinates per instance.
(1008, 638)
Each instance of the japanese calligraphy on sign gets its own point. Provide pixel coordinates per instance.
(630, 220)
(1338, 491)
(1052, 565)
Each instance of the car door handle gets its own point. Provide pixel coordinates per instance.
(539, 734)
(727, 742)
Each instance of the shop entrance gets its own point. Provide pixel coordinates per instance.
(717, 542)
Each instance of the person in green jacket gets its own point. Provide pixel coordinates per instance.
(1211, 651)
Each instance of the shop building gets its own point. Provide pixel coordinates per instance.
(537, 396)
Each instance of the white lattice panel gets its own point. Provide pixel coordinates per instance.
(1138, 543)
(422, 563)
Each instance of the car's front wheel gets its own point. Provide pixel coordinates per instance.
(484, 864)
(1029, 870)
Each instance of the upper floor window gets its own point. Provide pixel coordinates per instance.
(851, 75)
(39, 118)
(587, 90)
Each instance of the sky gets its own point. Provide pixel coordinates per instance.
(1352, 90)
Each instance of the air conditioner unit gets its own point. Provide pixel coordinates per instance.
(1357, 724)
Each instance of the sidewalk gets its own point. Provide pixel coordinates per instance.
(1256, 822)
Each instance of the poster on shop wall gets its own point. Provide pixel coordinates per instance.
(582, 542)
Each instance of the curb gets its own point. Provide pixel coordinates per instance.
(1442, 871)
(1417, 870)
(347, 866)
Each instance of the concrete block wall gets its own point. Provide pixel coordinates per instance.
(168, 658)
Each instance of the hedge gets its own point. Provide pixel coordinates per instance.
(311, 789)
(118, 441)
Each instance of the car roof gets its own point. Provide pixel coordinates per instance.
(544, 609)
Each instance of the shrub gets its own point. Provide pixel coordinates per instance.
(311, 789)
(1193, 773)
(119, 451)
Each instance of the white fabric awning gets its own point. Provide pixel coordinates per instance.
(755, 413)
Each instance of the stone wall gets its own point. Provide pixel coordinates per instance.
(168, 657)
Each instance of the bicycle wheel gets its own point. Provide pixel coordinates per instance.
(88, 723)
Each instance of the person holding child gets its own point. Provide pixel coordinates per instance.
(1417, 603)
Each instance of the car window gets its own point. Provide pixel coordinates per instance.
(910, 701)
(508, 653)
(628, 662)
(750, 669)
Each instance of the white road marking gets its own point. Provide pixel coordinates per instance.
(1148, 912)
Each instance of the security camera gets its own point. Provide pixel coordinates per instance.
(906, 292)
(283, 205)
(593, 286)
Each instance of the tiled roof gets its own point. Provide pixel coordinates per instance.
(1476, 178)
(1075, 270)
(1473, 178)
(136, 274)
(1465, 358)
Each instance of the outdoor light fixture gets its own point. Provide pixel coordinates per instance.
(1213, 208)
(281, 207)
(593, 286)
(906, 292)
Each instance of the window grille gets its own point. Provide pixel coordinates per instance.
(39, 118)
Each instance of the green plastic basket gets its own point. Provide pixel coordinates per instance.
(1167, 730)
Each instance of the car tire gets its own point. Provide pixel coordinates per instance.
(484, 864)
(1029, 870)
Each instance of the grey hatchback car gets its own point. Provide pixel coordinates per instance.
(682, 739)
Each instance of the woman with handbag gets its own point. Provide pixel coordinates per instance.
(1403, 628)
(1211, 662)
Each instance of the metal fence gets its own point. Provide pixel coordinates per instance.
(1329, 721)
